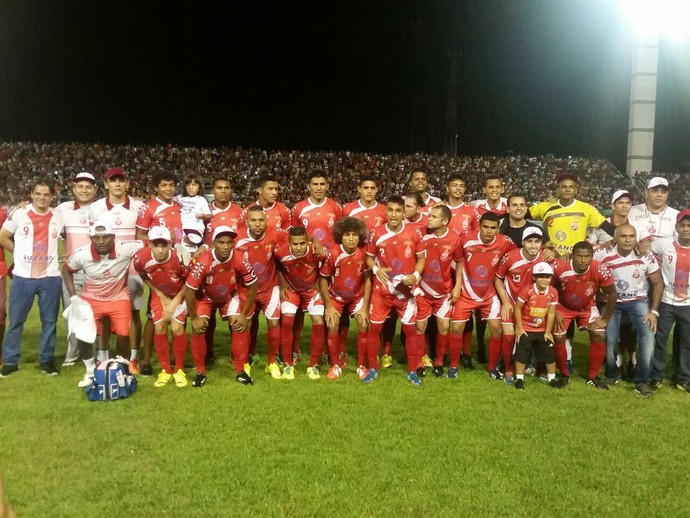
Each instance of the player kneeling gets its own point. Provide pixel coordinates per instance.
(165, 275)
(535, 314)
(345, 285)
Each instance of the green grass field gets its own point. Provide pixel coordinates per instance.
(322, 448)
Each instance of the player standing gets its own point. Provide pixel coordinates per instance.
(268, 192)
(366, 207)
(418, 184)
(416, 214)
(494, 202)
(464, 216)
(317, 213)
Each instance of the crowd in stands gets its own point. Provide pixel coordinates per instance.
(23, 162)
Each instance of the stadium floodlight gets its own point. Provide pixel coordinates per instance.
(657, 18)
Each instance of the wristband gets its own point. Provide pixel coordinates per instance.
(654, 312)
(416, 275)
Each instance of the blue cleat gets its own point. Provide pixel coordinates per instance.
(453, 372)
(371, 376)
(414, 379)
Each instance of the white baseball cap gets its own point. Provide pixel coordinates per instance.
(224, 229)
(159, 233)
(621, 193)
(542, 269)
(106, 227)
(84, 176)
(657, 181)
(532, 231)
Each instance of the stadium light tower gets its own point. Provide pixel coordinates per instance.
(651, 20)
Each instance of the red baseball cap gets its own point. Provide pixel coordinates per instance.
(115, 171)
(685, 213)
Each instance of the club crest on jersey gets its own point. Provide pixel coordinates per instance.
(54, 234)
(445, 255)
(636, 274)
(589, 292)
(408, 252)
(495, 260)
(574, 226)
(118, 221)
(82, 220)
(331, 220)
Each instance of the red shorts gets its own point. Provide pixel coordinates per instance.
(118, 311)
(352, 306)
(269, 303)
(583, 317)
(382, 303)
(309, 301)
(233, 306)
(488, 310)
(427, 306)
(180, 314)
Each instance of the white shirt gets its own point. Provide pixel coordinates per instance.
(122, 217)
(77, 225)
(629, 273)
(649, 225)
(190, 207)
(675, 266)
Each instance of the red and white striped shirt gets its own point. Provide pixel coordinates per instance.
(629, 273)
(675, 266)
(77, 224)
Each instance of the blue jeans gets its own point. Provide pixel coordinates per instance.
(668, 316)
(22, 294)
(636, 311)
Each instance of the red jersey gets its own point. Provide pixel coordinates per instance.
(517, 272)
(229, 216)
(429, 203)
(259, 254)
(218, 281)
(317, 219)
(157, 213)
(397, 251)
(345, 273)
(479, 265)
(277, 215)
(441, 253)
(576, 291)
(373, 216)
(482, 207)
(300, 272)
(419, 224)
(168, 276)
(464, 219)
(536, 307)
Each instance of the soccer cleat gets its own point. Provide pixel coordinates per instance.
(685, 387)
(313, 372)
(49, 369)
(254, 359)
(414, 379)
(529, 369)
(86, 381)
(274, 370)
(296, 356)
(565, 381)
(426, 361)
(371, 376)
(554, 383)
(279, 361)
(248, 369)
(386, 361)
(180, 378)
(453, 373)
(520, 384)
(334, 373)
(289, 372)
(244, 378)
(145, 369)
(162, 380)
(596, 382)
(420, 372)
(466, 362)
(655, 385)
(508, 378)
(7, 369)
(69, 362)
(362, 372)
(134, 367)
(630, 371)
(496, 375)
(199, 380)
(543, 378)
(438, 371)
(612, 380)
(644, 390)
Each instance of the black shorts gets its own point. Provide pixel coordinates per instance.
(534, 342)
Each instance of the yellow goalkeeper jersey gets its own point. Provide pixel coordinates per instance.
(566, 226)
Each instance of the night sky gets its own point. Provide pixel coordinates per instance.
(535, 76)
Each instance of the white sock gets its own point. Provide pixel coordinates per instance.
(569, 349)
(102, 355)
(619, 360)
(90, 365)
(134, 354)
(520, 376)
(633, 357)
(550, 377)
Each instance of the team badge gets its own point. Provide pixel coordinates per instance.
(589, 292)
(445, 256)
(408, 252)
(574, 226)
(636, 274)
(82, 220)
(331, 220)
(118, 221)
(495, 260)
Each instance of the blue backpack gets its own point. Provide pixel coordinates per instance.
(111, 380)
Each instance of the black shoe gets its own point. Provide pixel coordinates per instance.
(438, 371)
(612, 380)
(421, 373)
(685, 387)
(644, 390)
(279, 360)
(564, 381)
(466, 361)
(655, 385)
(49, 369)
(244, 378)
(630, 369)
(554, 383)
(519, 384)
(199, 380)
(145, 369)
(7, 369)
(596, 382)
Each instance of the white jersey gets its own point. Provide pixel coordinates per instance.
(122, 217)
(629, 273)
(675, 266)
(649, 225)
(35, 242)
(105, 277)
(190, 207)
(77, 225)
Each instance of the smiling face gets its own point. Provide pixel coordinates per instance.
(456, 191)
(165, 190)
(84, 192)
(419, 182)
(41, 198)
(517, 208)
(493, 190)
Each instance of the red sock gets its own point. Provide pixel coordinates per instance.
(597, 354)
(562, 359)
(342, 335)
(179, 350)
(373, 342)
(362, 339)
(334, 347)
(273, 343)
(318, 332)
(508, 343)
(467, 342)
(286, 329)
(412, 347)
(160, 342)
(198, 346)
(455, 346)
(495, 346)
(240, 349)
(441, 348)
(297, 331)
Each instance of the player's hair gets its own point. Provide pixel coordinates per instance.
(255, 208)
(490, 216)
(368, 178)
(264, 179)
(583, 245)
(193, 178)
(491, 177)
(316, 173)
(297, 232)
(453, 177)
(44, 182)
(445, 211)
(219, 179)
(416, 197)
(398, 200)
(417, 170)
(517, 195)
(350, 224)
(164, 176)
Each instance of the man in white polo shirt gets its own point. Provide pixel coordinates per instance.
(32, 234)
(653, 218)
